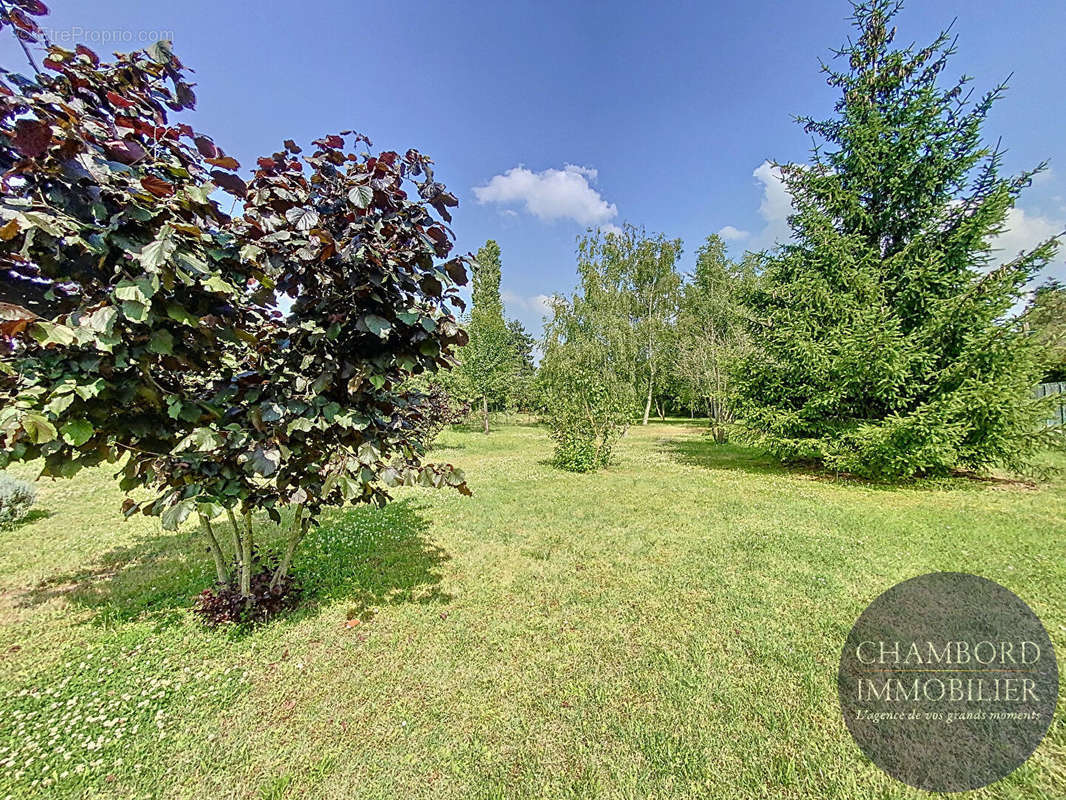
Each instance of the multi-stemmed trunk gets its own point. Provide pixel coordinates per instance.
(243, 544)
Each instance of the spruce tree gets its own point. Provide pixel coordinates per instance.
(886, 345)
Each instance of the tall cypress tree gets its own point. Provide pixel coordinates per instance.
(886, 347)
(488, 360)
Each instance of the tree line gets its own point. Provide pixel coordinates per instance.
(880, 340)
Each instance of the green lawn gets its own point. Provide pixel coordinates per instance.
(669, 627)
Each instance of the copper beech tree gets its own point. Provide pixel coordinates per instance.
(140, 321)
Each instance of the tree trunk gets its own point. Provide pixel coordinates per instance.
(246, 558)
(216, 551)
(485, 412)
(238, 551)
(647, 405)
(296, 535)
(236, 533)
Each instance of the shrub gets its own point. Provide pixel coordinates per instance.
(587, 375)
(224, 602)
(16, 499)
(578, 450)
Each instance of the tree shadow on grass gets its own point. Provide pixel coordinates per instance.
(440, 447)
(696, 423)
(33, 515)
(706, 453)
(366, 555)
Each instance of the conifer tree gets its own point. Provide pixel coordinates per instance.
(488, 361)
(886, 343)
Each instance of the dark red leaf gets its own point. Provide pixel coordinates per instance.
(82, 50)
(157, 186)
(35, 7)
(125, 151)
(456, 271)
(332, 141)
(118, 100)
(186, 96)
(431, 286)
(226, 162)
(206, 147)
(22, 22)
(229, 182)
(32, 137)
(14, 319)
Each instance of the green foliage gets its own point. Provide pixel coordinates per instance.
(711, 335)
(437, 408)
(588, 374)
(647, 267)
(485, 292)
(1046, 318)
(884, 343)
(523, 395)
(128, 288)
(16, 499)
(489, 362)
(577, 450)
(122, 288)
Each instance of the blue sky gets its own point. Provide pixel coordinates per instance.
(545, 117)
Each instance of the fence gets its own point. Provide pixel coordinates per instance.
(1045, 389)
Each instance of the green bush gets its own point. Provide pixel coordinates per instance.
(579, 451)
(16, 499)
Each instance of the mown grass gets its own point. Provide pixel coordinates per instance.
(669, 627)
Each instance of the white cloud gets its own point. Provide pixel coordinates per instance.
(525, 306)
(550, 194)
(775, 208)
(731, 234)
(610, 227)
(1023, 232)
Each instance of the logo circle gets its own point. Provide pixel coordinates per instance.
(948, 682)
